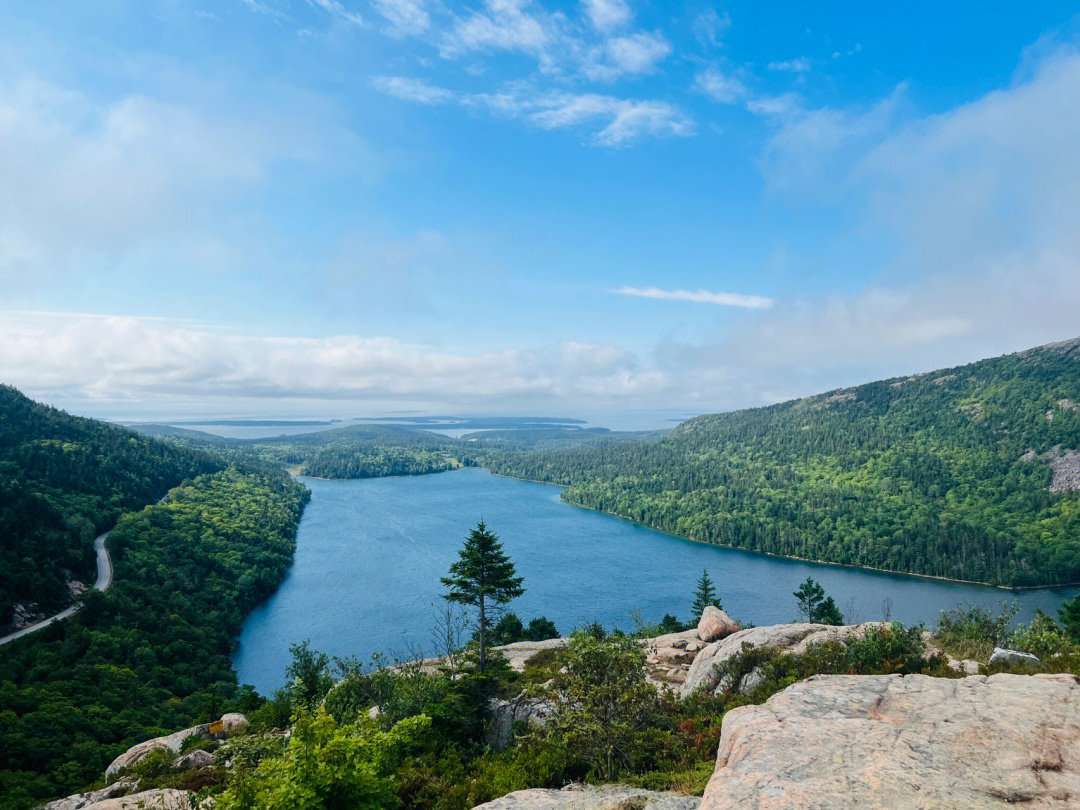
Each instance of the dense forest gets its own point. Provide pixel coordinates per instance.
(151, 655)
(63, 480)
(948, 473)
(356, 451)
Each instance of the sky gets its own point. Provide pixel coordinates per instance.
(353, 207)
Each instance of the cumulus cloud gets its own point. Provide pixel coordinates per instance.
(503, 25)
(726, 299)
(719, 86)
(709, 25)
(629, 55)
(606, 15)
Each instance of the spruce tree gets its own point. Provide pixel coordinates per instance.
(815, 605)
(1069, 614)
(483, 577)
(704, 596)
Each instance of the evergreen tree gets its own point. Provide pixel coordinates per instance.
(1069, 614)
(704, 596)
(815, 605)
(483, 577)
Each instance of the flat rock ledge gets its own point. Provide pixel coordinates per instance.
(590, 797)
(156, 799)
(892, 741)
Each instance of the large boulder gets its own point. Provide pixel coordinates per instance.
(78, 801)
(1001, 655)
(839, 741)
(504, 714)
(668, 657)
(783, 638)
(173, 742)
(138, 752)
(589, 797)
(714, 624)
(194, 760)
(156, 799)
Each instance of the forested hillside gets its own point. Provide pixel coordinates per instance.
(151, 655)
(963, 473)
(63, 479)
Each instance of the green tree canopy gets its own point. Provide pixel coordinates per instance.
(815, 605)
(704, 595)
(605, 707)
(483, 577)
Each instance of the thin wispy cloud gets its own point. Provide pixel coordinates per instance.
(405, 17)
(612, 121)
(726, 299)
(336, 9)
(800, 65)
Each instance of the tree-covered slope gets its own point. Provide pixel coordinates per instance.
(947, 473)
(151, 655)
(63, 479)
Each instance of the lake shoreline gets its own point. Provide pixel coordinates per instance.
(1010, 588)
(789, 556)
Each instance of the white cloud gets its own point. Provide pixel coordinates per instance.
(719, 87)
(504, 25)
(726, 299)
(800, 65)
(709, 25)
(336, 9)
(606, 15)
(412, 90)
(633, 54)
(406, 17)
(975, 209)
(94, 182)
(113, 359)
(613, 121)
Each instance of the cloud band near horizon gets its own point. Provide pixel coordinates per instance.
(726, 299)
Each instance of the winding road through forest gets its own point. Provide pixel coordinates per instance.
(104, 580)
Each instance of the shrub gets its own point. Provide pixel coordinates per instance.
(970, 631)
(604, 710)
(1042, 638)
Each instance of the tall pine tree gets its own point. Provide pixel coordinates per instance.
(704, 596)
(483, 577)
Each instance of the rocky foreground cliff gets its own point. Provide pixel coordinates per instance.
(830, 741)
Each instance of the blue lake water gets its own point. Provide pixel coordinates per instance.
(370, 554)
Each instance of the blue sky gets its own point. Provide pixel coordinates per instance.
(351, 206)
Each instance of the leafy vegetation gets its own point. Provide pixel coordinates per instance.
(815, 606)
(63, 480)
(151, 655)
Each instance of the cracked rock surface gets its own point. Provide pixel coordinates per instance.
(891, 741)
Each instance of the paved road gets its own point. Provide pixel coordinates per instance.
(104, 580)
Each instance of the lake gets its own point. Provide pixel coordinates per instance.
(370, 554)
